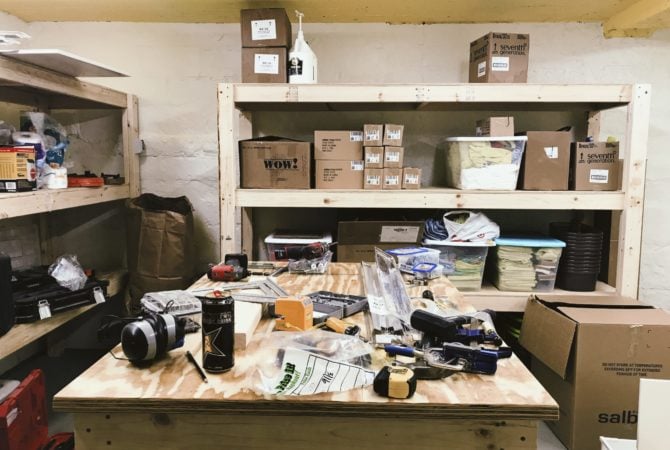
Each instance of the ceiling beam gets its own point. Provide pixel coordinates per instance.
(634, 21)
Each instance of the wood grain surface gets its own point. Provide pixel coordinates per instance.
(171, 384)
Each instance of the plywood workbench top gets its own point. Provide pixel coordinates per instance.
(171, 385)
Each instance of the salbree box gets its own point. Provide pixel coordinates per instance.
(275, 163)
(590, 354)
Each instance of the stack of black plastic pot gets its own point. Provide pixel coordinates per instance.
(579, 266)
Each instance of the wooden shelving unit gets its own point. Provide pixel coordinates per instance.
(238, 102)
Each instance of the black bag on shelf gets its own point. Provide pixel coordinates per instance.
(6, 301)
(34, 288)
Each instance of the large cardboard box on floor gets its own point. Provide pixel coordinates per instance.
(275, 163)
(546, 161)
(595, 166)
(339, 174)
(357, 239)
(499, 58)
(590, 353)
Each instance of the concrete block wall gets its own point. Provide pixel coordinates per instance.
(174, 69)
(19, 238)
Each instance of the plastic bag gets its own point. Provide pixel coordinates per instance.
(53, 134)
(68, 273)
(310, 362)
(472, 227)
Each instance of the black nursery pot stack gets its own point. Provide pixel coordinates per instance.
(580, 261)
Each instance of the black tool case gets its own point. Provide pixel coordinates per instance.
(34, 286)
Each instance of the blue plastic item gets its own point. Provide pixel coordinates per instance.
(530, 241)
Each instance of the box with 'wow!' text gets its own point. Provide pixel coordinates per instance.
(275, 163)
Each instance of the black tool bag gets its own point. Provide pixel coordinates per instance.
(34, 289)
(6, 302)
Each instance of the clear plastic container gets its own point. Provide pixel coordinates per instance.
(280, 243)
(463, 262)
(490, 163)
(525, 264)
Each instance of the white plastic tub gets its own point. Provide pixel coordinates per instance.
(463, 262)
(279, 243)
(481, 162)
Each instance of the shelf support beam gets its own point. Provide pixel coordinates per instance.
(637, 20)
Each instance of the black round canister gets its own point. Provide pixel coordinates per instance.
(218, 334)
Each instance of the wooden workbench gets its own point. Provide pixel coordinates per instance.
(167, 406)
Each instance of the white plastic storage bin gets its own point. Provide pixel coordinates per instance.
(408, 257)
(463, 262)
(484, 162)
(279, 244)
(525, 264)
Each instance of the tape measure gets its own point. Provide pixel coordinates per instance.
(395, 382)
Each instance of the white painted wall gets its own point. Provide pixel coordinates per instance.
(174, 69)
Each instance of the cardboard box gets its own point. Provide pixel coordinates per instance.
(339, 174)
(275, 163)
(590, 353)
(267, 27)
(358, 239)
(595, 166)
(411, 178)
(546, 162)
(18, 171)
(392, 179)
(373, 135)
(264, 65)
(372, 178)
(499, 58)
(495, 126)
(393, 134)
(338, 145)
(374, 157)
(393, 157)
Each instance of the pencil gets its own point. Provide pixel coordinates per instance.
(197, 366)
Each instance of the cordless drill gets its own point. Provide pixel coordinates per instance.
(234, 268)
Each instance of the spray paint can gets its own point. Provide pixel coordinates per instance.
(218, 333)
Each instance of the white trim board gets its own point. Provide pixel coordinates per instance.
(63, 62)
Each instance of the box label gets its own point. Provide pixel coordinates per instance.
(392, 156)
(500, 63)
(373, 158)
(391, 180)
(357, 165)
(281, 164)
(266, 64)
(356, 136)
(262, 30)
(599, 176)
(398, 234)
(372, 135)
(411, 178)
(552, 152)
(373, 180)
(393, 134)
(481, 69)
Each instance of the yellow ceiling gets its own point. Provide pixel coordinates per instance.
(619, 17)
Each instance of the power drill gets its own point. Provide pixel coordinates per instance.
(234, 268)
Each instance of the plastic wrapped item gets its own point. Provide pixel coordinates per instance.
(310, 266)
(6, 131)
(310, 362)
(53, 134)
(68, 273)
(468, 226)
(176, 302)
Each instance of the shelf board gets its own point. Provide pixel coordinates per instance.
(489, 297)
(431, 198)
(46, 200)
(348, 97)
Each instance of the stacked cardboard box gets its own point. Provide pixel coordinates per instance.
(266, 39)
(384, 155)
(499, 58)
(339, 159)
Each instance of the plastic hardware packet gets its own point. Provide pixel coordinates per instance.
(68, 272)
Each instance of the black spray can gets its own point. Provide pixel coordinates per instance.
(218, 333)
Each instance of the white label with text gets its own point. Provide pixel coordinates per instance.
(263, 30)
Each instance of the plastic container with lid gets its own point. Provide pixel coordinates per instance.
(463, 262)
(525, 264)
(280, 243)
(484, 162)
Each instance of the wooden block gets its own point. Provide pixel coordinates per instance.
(247, 317)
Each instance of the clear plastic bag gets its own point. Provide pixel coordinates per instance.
(53, 134)
(68, 272)
(467, 226)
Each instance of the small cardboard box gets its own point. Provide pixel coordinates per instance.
(590, 353)
(595, 166)
(373, 135)
(357, 239)
(499, 58)
(495, 126)
(374, 157)
(264, 65)
(546, 162)
(332, 174)
(373, 178)
(18, 171)
(338, 145)
(411, 178)
(393, 157)
(393, 134)
(392, 178)
(267, 27)
(275, 163)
